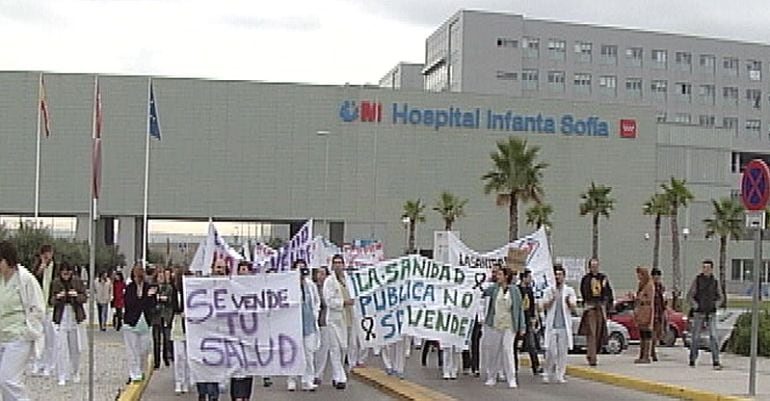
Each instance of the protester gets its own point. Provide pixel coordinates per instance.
(311, 304)
(21, 323)
(162, 318)
(209, 391)
(330, 346)
(530, 314)
(644, 312)
(103, 296)
(181, 364)
(451, 361)
(118, 300)
(140, 304)
(659, 324)
(355, 355)
(45, 274)
(597, 296)
(240, 387)
(558, 302)
(337, 298)
(428, 346)
(69, 295)
(505, 318)
(704, 296)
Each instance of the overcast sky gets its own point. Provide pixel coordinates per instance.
(316, 41)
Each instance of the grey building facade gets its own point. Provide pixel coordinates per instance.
(686, 79)
(351, 156)
(406, 76)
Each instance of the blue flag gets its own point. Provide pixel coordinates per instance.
(154, 126)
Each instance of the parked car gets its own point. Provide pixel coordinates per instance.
(726, 319)
(616, 342)
(623, 313)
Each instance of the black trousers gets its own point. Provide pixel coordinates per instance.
(117, 319)
(426, 349)
(530, 345)
(161, 338)
(241, 387)
(471, 357)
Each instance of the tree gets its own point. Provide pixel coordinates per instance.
(539, 215)
(678, 196)
(515, 176)
(28, 239)
(414, 211)
(596, 202)
(450, 208)
(656, 206)
(727, 223)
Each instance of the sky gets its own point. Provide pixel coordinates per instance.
(312, 41)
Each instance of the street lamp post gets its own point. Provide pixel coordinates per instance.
(325, 217)
(405, 221)
(685, 235)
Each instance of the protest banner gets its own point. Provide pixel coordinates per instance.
(243, 326)
(211, 248)
(574, 267)
(413, 295)
(355, 255)
(531, 252)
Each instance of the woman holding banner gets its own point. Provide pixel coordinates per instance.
(505, 318)
(240, 387)
(209, 391)
(181, 364)
(310, 306)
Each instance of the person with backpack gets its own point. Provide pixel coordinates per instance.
(704, 296)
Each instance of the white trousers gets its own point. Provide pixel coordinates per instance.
(396, 355)
(497, 350)
(67, 352)
(310, 370)
(137, 350)
(46, 361)
(556, 354)
(451, 357)
(330, 350)
(356, 354)
(181, 364)
(13, 358)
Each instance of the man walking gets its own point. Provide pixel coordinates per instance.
(558, 302)
(530, 319)
(44, 273)
(597, 296)
(704, 296)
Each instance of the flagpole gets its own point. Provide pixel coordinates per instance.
(37, 153)
(92, 248)
(146, 176)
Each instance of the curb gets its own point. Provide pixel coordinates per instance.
(133, 391)
(402, 389)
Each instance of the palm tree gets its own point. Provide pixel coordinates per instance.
(656, 206)
(515, 176)
(450, 208)
(678, 195)
(414, 211)
(596, 202)
(726, 223)
(539, 215)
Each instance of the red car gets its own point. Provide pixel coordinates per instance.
(624, 314)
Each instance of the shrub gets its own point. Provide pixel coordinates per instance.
(740, 340)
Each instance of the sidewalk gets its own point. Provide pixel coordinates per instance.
(673, 369)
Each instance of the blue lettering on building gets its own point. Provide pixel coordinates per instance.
(489, 119)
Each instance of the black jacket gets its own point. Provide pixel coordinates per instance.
(596, 289)
(136, 306)
(528, 301)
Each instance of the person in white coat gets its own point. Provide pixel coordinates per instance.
(311, 304)
(44, 272)
(558, 301)
(338, 319)
(21, 323)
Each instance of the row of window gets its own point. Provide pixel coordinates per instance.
(634, 56)
(658, 87)
(710, 121)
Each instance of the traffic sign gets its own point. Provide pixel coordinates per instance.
(755, 185)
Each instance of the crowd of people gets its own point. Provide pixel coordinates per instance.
(42, 311)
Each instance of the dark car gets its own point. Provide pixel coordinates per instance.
(623, 313)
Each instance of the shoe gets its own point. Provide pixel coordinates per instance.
(309, 387)
(513, 384)
(340, 386)
(400, 375)
(692, 364)
(490, 382)
(477, 374)
(466, 372)
(546, 379)
(445, 377)
(76, 378)
(185, 389)
(717, 366)
(291, 385)
(317, 381)
(201, 398)
(62, 382)
(167, 362)
(47, 372)
(178, 389)
(537, 371)
(390, 372)
(267, 382)
(561, 380)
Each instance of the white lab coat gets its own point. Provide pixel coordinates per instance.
(335, 313)
(568, 294)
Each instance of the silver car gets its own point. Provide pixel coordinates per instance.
(617, 337)
(726, 319)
